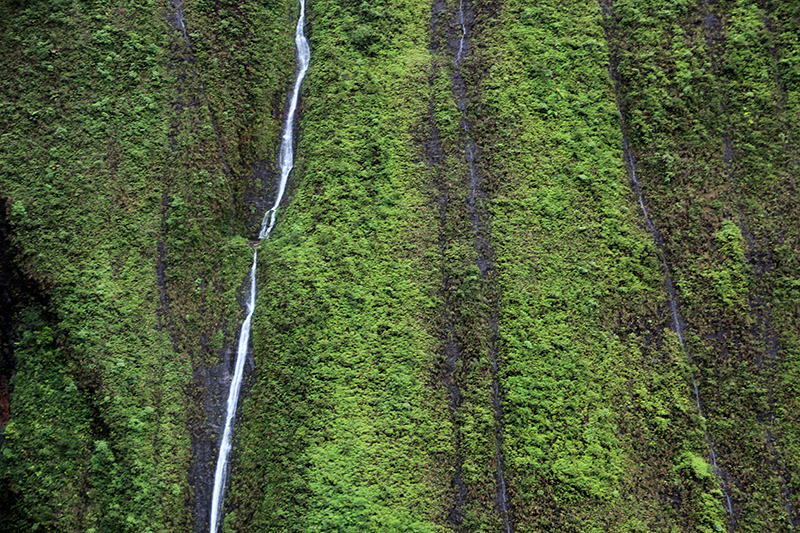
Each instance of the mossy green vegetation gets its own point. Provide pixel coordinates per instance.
(703, 90)
(784, 25)
(85, 222)
(343, 430)
(594, 385)
(467, 324)
(137, 158)
(124, 204)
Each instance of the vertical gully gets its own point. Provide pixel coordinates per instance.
(180, 25)
(677, 321)
(485, 256)
(759, 260)
(285, 163)
(770, 335)
(450, 342)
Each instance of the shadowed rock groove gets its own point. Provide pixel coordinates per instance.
(759, 261)
(479, 215)
(450, 344)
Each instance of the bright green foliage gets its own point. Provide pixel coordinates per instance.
(79, 161)
(467, 320)
(136, 160)
(706, 94)
(592, 408)
(123, 212)
(343, 430)
(40, 449)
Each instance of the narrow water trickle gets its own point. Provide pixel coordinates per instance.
(485, 260)
(286, 163)
(460, 54)
(677, 320)
(450, 341)
(180, 25)
(178, 5)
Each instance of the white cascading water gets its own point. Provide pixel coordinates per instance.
(460, 54)
(285, 163)
(286, 158)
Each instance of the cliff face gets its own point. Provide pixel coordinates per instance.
(538, 268)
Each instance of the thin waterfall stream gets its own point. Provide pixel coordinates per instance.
(460, 54)
(285, 163)
(451, 341)
(677, 321)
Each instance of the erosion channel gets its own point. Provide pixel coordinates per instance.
(504, 291)
(469, 342)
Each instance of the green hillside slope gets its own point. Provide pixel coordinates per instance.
(602, 432)
(710, 128)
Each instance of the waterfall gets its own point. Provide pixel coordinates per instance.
(285, 163)
(677, 321)
(460, 54)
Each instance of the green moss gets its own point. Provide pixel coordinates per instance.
(588, 402)
(128, 161)
(719, 136)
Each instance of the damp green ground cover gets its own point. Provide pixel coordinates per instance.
(85, 215)
(135, 162)
(785, 27)
(703, 94)
(763, 170)
(594, 384)
(345, 429)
